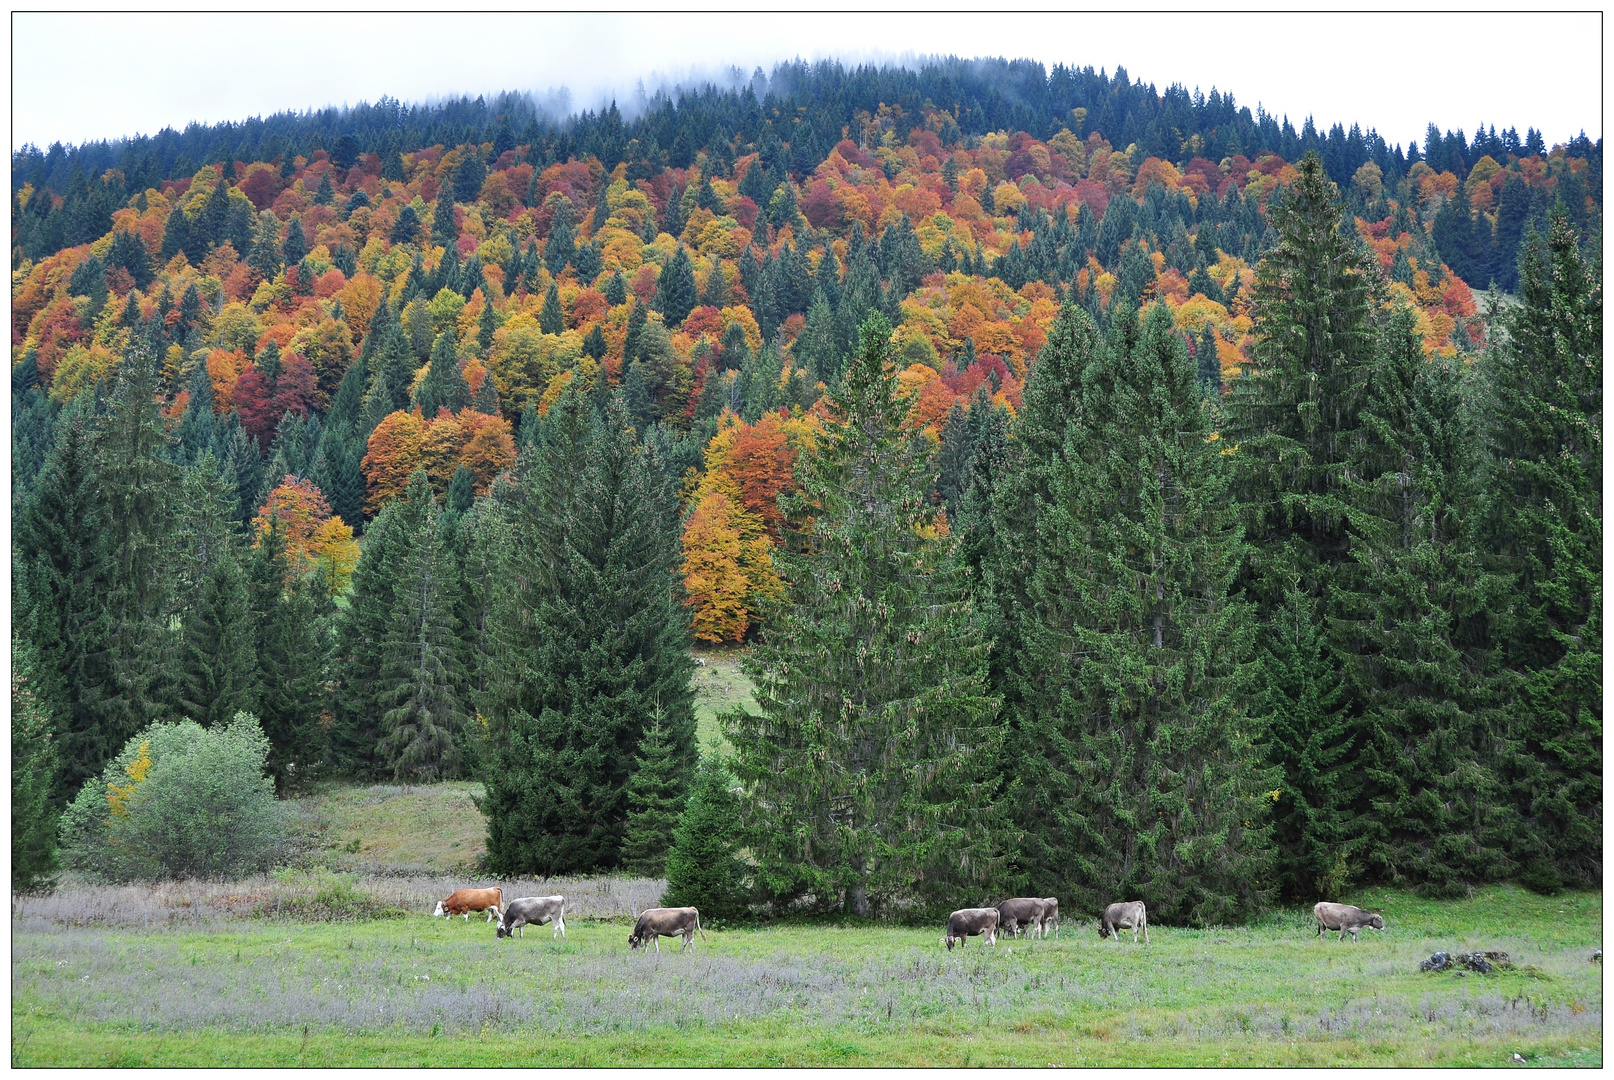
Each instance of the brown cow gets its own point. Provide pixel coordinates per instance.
(968, 922)
(1024, 911)
(1344, 917)
(465, 901)
(1130, 915)
(659, 922)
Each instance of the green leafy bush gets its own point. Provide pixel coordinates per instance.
(179, 801)
(322, 895)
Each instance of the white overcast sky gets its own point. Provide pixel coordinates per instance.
(77, 77)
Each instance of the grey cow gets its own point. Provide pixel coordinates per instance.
(1345, 918)
(969, 922)
(1050, 915)
(1130, 915)
(657, 923)
(1023, 911)
(536, 910)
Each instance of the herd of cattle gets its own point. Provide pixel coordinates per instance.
(1033, 916)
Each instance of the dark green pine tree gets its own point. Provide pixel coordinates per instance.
(218, 659)
(1435, 816)
(560, 246)
(715, 293)
(486, 324)
(421, 674)
(656, 796)
(953, 459)
(1134, 663)
(600, 644)
(867, 770)
(703, 869)
(176, 235)
(63, 572)
(264, 254)
(361, 635)
(444, 386)
(35, 765)
(616, 289)
(292, 647)
(594, 343)
(817, 347)
(1309, 738)
(200, 421)
(240, 463)
(295, 246)
(551, 319)
(637, 316)
(675, 289)
(391, 361)
(636, 396)
(138, 477)
(1295, 423)
(444, 231)
(1542, 523)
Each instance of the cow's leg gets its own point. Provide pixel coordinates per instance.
(560, 927)
(1146, 931)
(658, 942)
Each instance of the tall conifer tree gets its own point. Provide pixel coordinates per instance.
(867, 772)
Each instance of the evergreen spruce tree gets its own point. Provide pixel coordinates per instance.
(445, 233)
(361, 635)
(34, 768)
(421, 672)
(561, 244)
(1435, 817)
(64, 561)
(295, 246)
(218, 662)
(867, 772)
(656, 796)
(953, 460)
(1134, 660)
(703, 870)
(675, 289)
(444, 386)
(601, 644)
(1296, 425)
(1542, 525)
(291, 657)
(137, 478)
(551, 319)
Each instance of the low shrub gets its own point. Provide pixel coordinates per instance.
(179, 801)
(320, 895)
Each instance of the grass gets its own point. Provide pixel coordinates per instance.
(418, 991)
(720, 686)
(394, 828)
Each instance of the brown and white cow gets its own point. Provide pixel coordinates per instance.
(970, 922)
(1130, 915)
(1023, 911)
(465, 901)
(1345, 918)
(659, 922)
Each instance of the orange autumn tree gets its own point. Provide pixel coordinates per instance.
(316, 539)
(728, 553)
(404, 442)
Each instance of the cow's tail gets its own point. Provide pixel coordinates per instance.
(698, 926)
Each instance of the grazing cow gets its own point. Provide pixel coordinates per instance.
(1344, 917)
(465, 901)
(536, 910)
(970, 921)
(1050, 916)
(1126, 916)
(659, 922)
(1025, 911)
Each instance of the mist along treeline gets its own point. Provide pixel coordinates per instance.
(574, 416)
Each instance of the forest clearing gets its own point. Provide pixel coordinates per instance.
(414, 991)
(193, 974)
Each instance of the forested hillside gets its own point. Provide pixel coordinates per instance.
(1261, 557)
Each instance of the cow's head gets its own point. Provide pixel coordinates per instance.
(947, 940)
(503, 931)
(635, 939)
(1376, 922)
(1103, 929)
(439, 910)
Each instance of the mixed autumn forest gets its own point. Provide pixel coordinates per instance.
(1115, 491)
